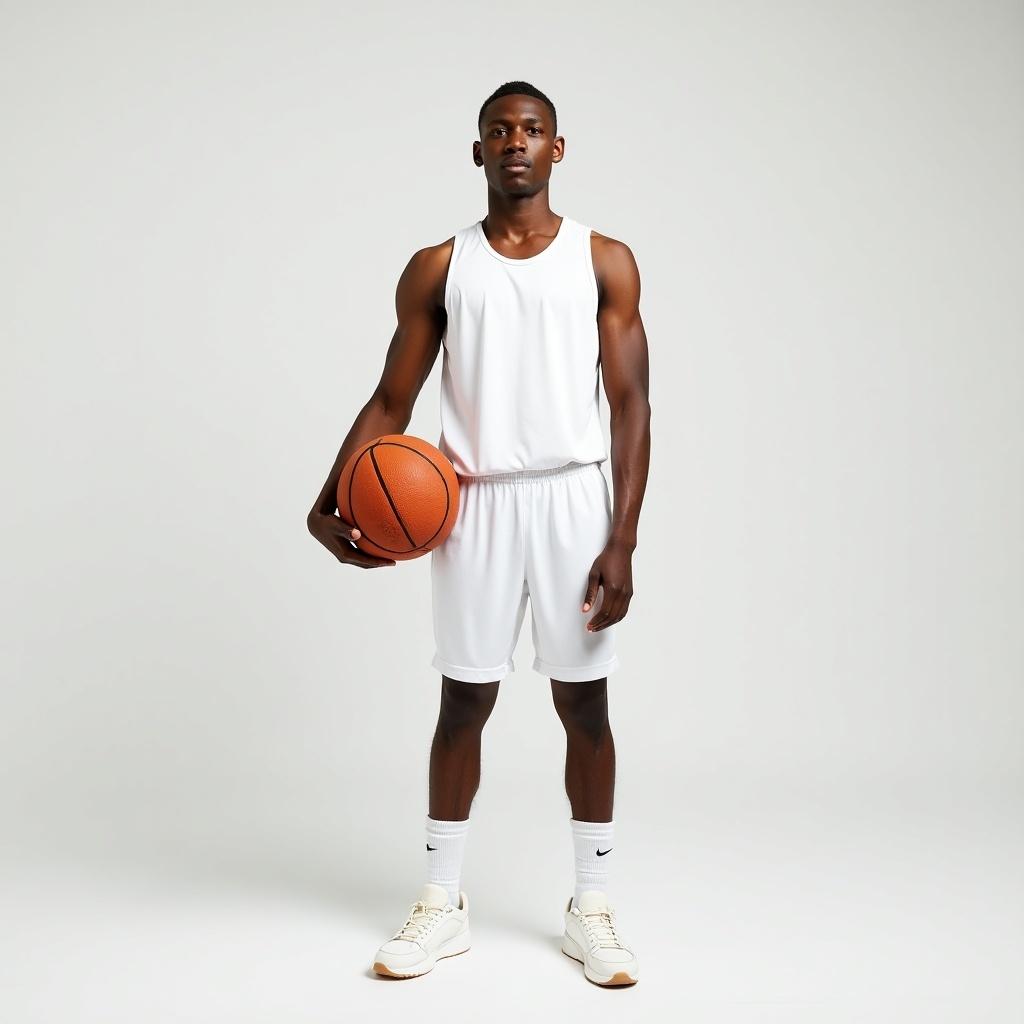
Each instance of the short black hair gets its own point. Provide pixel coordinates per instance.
(514, 89)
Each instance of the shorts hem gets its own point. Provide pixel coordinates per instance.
(576, 674)
(465, 674)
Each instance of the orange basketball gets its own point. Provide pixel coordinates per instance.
(402, 493)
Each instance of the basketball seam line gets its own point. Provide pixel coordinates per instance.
(351, 481)
(447, 495)
(366, 535)
(387, 494)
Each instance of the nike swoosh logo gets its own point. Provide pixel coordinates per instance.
(431, 848)
(601, 853)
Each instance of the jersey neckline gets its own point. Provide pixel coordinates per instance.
(526, 259)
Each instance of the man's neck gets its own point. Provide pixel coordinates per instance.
(517, 219)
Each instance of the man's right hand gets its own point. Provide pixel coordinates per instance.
(338, 536)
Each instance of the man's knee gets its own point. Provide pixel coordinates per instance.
(465, 707)
(582, 707)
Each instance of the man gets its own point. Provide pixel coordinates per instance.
(527, 305)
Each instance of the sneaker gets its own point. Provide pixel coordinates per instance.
(592, 938)
(433, 930)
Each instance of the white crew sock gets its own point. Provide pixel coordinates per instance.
(592, 842)
(446, 841)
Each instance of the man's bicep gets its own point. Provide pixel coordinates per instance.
(624, 356)
(417, 339)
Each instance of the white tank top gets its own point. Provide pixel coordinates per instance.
(519, 379)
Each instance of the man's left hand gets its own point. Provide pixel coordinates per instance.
(613, 572)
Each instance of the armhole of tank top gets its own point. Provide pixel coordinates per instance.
(456, 246)
(589, 254)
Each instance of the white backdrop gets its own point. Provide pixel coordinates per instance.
(215, 738)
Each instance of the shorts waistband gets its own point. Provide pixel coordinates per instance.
(524, 476)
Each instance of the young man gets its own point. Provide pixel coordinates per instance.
(527, 305)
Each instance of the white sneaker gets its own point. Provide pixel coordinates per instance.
(433, 930)
(591, 937)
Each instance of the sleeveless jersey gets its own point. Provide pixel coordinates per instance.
(519, 379)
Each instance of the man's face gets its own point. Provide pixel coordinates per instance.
(517, 145)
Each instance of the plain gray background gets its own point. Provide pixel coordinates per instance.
(215, 737)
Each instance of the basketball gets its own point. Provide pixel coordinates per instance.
(403, 495)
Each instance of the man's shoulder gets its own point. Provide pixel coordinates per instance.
(438, 251)
(606, 242)
(610, 254)
(430, 263)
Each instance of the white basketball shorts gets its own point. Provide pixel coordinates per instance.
(527, 534)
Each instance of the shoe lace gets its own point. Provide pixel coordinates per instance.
(420, 922)
(600, 928)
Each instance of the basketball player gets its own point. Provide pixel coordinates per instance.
(526, 305)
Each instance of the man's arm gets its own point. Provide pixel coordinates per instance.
(419, 304)
(624, 369)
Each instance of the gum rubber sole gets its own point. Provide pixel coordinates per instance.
(620, 979)
(386, 972)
